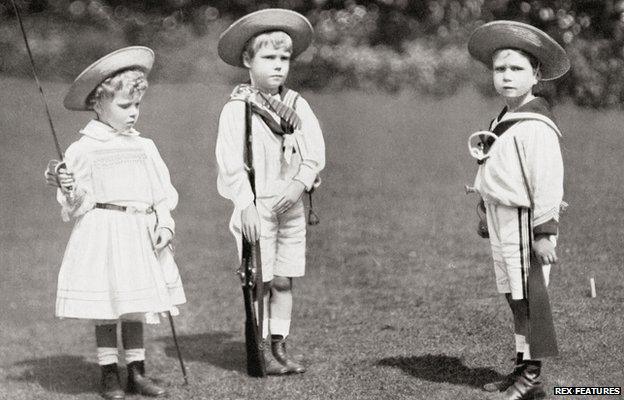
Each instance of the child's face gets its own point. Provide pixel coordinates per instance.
(121, 111)
(513, 74)
(269, 68)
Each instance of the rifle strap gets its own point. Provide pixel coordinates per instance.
(248, 149)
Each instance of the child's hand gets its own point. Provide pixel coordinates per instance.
(51, 174)
(164, 238)
(251, 223)
(57, 175)
(66, 180)
(544, 250)
(292, 193)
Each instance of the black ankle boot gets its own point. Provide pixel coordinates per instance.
(527, 385)
(140, 384)
(278, 345)
(111, 387)
(509, 379)
(273, 367)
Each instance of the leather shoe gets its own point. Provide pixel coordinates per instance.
(140, 384)
(278, 345)
(111, 387)
(273, 367)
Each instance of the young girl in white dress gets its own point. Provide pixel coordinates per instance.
(118, 267)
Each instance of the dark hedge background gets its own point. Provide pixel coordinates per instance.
(388, 44)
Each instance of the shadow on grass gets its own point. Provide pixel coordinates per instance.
(220, 349)
(441, 368)
(61, 374)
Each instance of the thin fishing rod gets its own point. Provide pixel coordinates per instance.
(34, 71)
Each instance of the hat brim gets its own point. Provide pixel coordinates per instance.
(126, 58)
(496, 35)
(232, 41)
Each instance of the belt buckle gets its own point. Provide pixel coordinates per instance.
(137, 210)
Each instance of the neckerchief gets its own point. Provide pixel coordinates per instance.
(284, 106)
(262, 104)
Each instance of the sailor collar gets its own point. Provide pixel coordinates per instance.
(537, 109)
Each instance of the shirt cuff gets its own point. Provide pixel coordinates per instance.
(306, 176)
(244, 200)
(549, 227)
(164, 217)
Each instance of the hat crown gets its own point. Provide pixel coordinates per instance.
(233, 40)
(497, 35)
(139, 57)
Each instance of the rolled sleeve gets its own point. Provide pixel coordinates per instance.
(81, 199)
(233, 180)
(311, 144)
(165, 220)
(545, 170)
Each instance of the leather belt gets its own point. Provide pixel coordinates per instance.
(127, 209)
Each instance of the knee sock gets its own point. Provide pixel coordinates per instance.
(106, 341)
(107, 355)
(520, 311)
(280, 326)
(132, 334)
(132, 339)
(522, 346)
(106, 335)
(132, 355)
(265, 328)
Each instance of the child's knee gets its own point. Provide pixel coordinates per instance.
(281, 284)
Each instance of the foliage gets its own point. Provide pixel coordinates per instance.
(391, 44)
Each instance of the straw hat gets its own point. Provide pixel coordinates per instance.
(129, 57)
(488, 38)
(232, 41)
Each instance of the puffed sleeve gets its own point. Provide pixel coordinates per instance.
(545, 174)
(165, 195)
(81, 199)
(311, 144)
(232, 180)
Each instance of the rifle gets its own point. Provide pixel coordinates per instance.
(250, 273)
(542, 337)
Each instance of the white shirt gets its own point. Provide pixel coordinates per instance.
(500, 179)
(272, 172)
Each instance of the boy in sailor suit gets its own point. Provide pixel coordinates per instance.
(288, 154)
(520, 179)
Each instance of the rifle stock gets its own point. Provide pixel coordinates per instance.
(252, 296)
(251, 276)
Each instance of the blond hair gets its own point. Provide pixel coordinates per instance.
(131, 80)
(278, 39)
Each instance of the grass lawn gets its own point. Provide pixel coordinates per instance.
(399, 299)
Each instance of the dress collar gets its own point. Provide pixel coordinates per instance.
(98, 130)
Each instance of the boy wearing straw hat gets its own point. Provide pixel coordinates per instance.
(520, 180)
(118, 269)
(288, 154)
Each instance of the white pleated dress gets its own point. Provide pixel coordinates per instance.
(110, 268)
